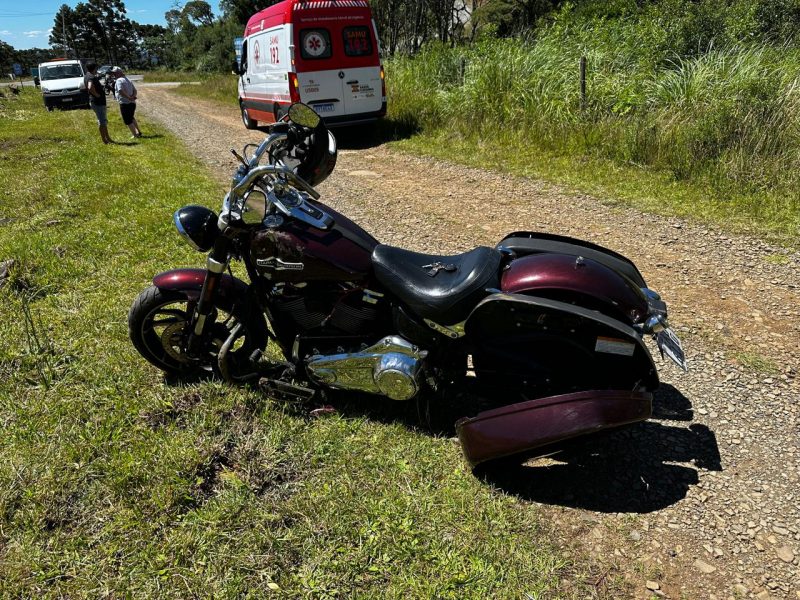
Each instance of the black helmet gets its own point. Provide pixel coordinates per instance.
(319, 158)
(312, 148)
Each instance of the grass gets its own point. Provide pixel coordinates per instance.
(115, 482)
(220, 88)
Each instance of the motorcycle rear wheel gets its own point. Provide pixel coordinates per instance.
(157, 325)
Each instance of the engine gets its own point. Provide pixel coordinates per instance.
(391, 367)
(340, 307)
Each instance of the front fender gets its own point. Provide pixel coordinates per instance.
(189, 282)
(232, 295)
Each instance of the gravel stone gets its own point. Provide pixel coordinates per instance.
(785, 554)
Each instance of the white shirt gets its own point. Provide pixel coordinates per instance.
(123, 84)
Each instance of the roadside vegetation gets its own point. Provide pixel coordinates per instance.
(220, 87)
(116, 482)
(691, 108)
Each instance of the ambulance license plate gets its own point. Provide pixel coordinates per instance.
(324, 108)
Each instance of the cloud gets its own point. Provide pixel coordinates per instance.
(144, 10)
(6, 32)
(33, 34)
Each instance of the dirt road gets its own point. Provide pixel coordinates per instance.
(703, 500)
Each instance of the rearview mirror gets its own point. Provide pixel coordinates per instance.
(303, 115)
(255, 207)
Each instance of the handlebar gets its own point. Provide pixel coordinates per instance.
(239, 190)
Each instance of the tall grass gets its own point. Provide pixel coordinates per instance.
(725, 117)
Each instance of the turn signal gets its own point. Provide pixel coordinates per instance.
(294, 88)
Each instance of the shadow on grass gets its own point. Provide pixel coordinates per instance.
(152, 136)
(630, 469)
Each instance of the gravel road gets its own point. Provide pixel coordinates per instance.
(703, 501)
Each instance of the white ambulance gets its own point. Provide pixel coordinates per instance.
(324, 53)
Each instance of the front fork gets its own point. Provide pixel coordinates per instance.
(215, 266)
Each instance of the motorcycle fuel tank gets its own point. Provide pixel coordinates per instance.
(294, 251)
(578, 279)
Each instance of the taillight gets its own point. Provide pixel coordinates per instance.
(294, 87)
(383, 83)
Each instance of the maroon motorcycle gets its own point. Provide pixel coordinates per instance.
(547, 331)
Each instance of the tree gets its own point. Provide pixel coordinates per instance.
(240, 11)
(199, 11)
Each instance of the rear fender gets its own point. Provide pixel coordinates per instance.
(524, 243)
(523, 334)
(583, 281)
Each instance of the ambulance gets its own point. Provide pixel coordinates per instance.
(324, 53)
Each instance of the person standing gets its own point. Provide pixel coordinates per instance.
(126, 96)
(97, 100)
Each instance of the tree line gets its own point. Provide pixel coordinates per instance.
(194, 38)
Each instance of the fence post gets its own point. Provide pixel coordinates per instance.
(583, 83)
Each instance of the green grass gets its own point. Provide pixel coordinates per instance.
(115, 482)
(221, 88)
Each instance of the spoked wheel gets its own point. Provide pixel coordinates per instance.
(158, 326)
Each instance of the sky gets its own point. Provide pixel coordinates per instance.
(27, 24)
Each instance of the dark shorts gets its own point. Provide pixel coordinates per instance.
(127, 111)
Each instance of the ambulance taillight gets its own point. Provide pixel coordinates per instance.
(294, 88)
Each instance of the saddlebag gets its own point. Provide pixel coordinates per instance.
(523, 243)
(580, 371)
(522, 427)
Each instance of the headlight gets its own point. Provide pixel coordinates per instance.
(197, 225)
(45, 90)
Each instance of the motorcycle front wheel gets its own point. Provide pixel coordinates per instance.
(158, 327)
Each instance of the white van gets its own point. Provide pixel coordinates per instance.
(62, 83)
(322, 52)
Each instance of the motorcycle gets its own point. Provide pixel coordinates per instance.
(108, 80)
(547, 331)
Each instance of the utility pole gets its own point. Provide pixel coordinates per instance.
(64, 32)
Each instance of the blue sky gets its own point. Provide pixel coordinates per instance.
(27, 24)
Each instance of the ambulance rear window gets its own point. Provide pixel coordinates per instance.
(357, 41)
(315, 43)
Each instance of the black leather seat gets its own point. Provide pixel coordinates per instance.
(446, 297)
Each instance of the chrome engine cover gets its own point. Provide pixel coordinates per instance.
(391, 367)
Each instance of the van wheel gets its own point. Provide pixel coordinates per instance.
(279, 112)
(248, 122)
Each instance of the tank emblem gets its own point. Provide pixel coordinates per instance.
(273, 262)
